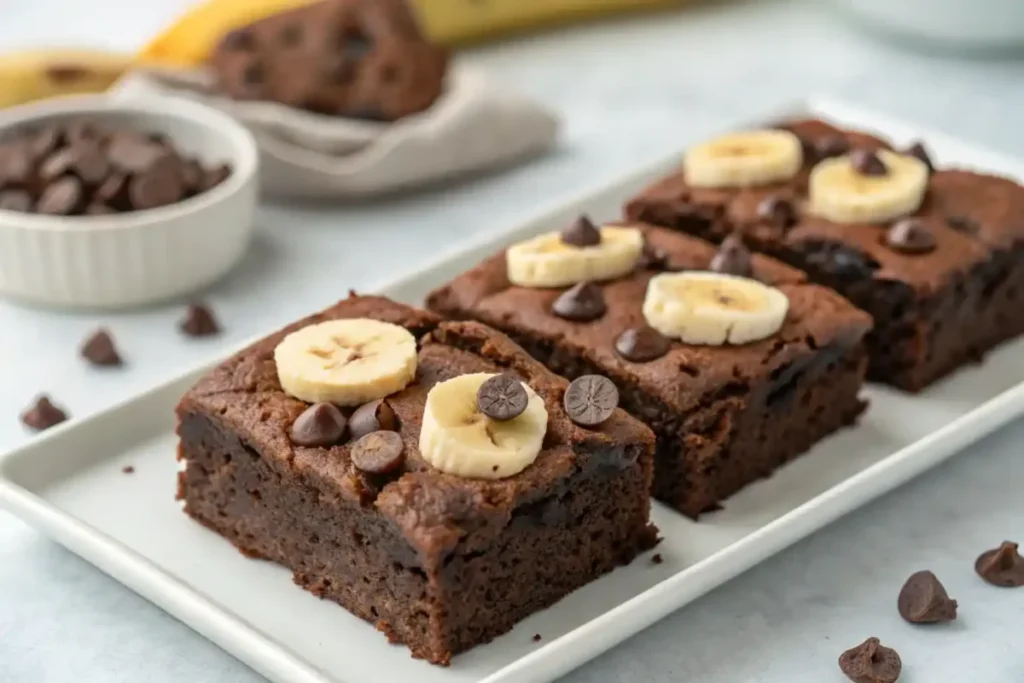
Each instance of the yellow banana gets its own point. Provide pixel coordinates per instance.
(36, 74)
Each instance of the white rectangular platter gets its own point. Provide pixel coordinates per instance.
(69, 483)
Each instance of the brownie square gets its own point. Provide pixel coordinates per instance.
(723, 416)
(933, 311)
(438, 562)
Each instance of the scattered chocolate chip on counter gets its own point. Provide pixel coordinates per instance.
(657, 558)
(43, 414)
(590, 400)
(1002, 566)
(871, 662)
(536, 637)
(99, 349)
(502, 398)
(81, 168)
(924, 600)
(379, 453)
(127, 469)
(199, 322)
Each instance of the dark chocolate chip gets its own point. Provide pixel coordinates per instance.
(652, 257)
(199, 322)
(16, 165)
(16, 200)
(62, 198)
(214, 176)
(134, 153)
(291, 35)
(1002, 567)
(924, 600)
(910, 236)
(159, 185)
(838, 260)
(582, 233)
(642, 344)
(128, 469)
(866, 162)
(57, 164)
(43, 415)
(319, 425)
(89, 163)
(777, 211)
(536, 637)
(80, 131)
(44, 142)
(590, 400)
(99, 349)
(871, 662)
(114, 189)
(964, 224)
(192, 175)
(372, 417)
(379, 452)
(99, 210)
(732, 257)
(831, 146)
(238, 40)
(918, 151)
(657, 559)
(582, 303)
(502, 398)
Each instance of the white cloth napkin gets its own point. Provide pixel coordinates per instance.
(473, 126)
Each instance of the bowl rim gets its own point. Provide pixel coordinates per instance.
(244, 157)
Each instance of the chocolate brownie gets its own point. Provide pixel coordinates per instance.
(943, 288)
(723, 415)
(436, 561)
(357, 58)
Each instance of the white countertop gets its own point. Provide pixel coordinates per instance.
(626, 91)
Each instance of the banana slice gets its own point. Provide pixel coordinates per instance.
(712, 308)
(758, 157)
(547, 261)
(458, 439)
(346, 362)
(842, 194)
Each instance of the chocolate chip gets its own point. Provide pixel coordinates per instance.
(132, 152)
(838, 260)
(199, 322)
(57, 164)
(214, 176)
(536, 637)
(871, 662)
(923, 600)
(16, 165)
(732, 257)
(379, 452)
(319, 425)
(1002, 567)
(238, 40)
(43, 415)
(642, 344)
(866, 162)
(590, 400)
(128, 469)
(582, 233)
(44, 142)
(16, 200)
(918, 151)
(502, 398)
(113, 190)
(80, 131)
(62, 198)
(192, 176)
(652, 257)
(964, 224)
(831, 146)
(372, 417)
(99, 210)
(159, 185)
(89, 163)
(910, 236)
(99, 349)
(777, 211)
(657, 559)
(254, 74)
(581, 303)
(291, 35)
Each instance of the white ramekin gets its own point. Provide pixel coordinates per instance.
(136, 258)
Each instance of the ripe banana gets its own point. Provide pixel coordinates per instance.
(191, 39)
(747, 159)
(458, 439)
(547, 261)
(346, 362)
(842, 194)
(37, 74)
(713, 309)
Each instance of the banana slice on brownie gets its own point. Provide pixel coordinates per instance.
(458, 436)
(346, 362)
(867, 186)
(580, 253)
(745, 159)
(713, 308)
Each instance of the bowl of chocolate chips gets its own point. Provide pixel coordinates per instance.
(108, 203)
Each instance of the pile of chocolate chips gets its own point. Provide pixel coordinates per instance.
(82, 168)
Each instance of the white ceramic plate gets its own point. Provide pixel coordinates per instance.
(69, 483)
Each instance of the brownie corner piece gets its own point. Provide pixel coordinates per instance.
(438, 562)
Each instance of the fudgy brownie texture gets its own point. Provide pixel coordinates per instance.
(437, 562)
(933, 311)
(364, 59)
(723, 415)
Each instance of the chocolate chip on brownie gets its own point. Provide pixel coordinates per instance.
(652, 257)
(831, 146)
(582, 233)
(99, 349)
(199, 322)
(642, 344)
(777, 211)
(590, 400)
(581, 303)
(924, 600)
(379, 452)
(918, 151)
(502, 398)
(372, 417)
(733, 257)
(43, 415)
(910, 236)
(964, 224)
(1002, 566)
(322, 424)
(867, 162)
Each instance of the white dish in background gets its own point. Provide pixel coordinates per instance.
(69, 483)
(140, 257)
